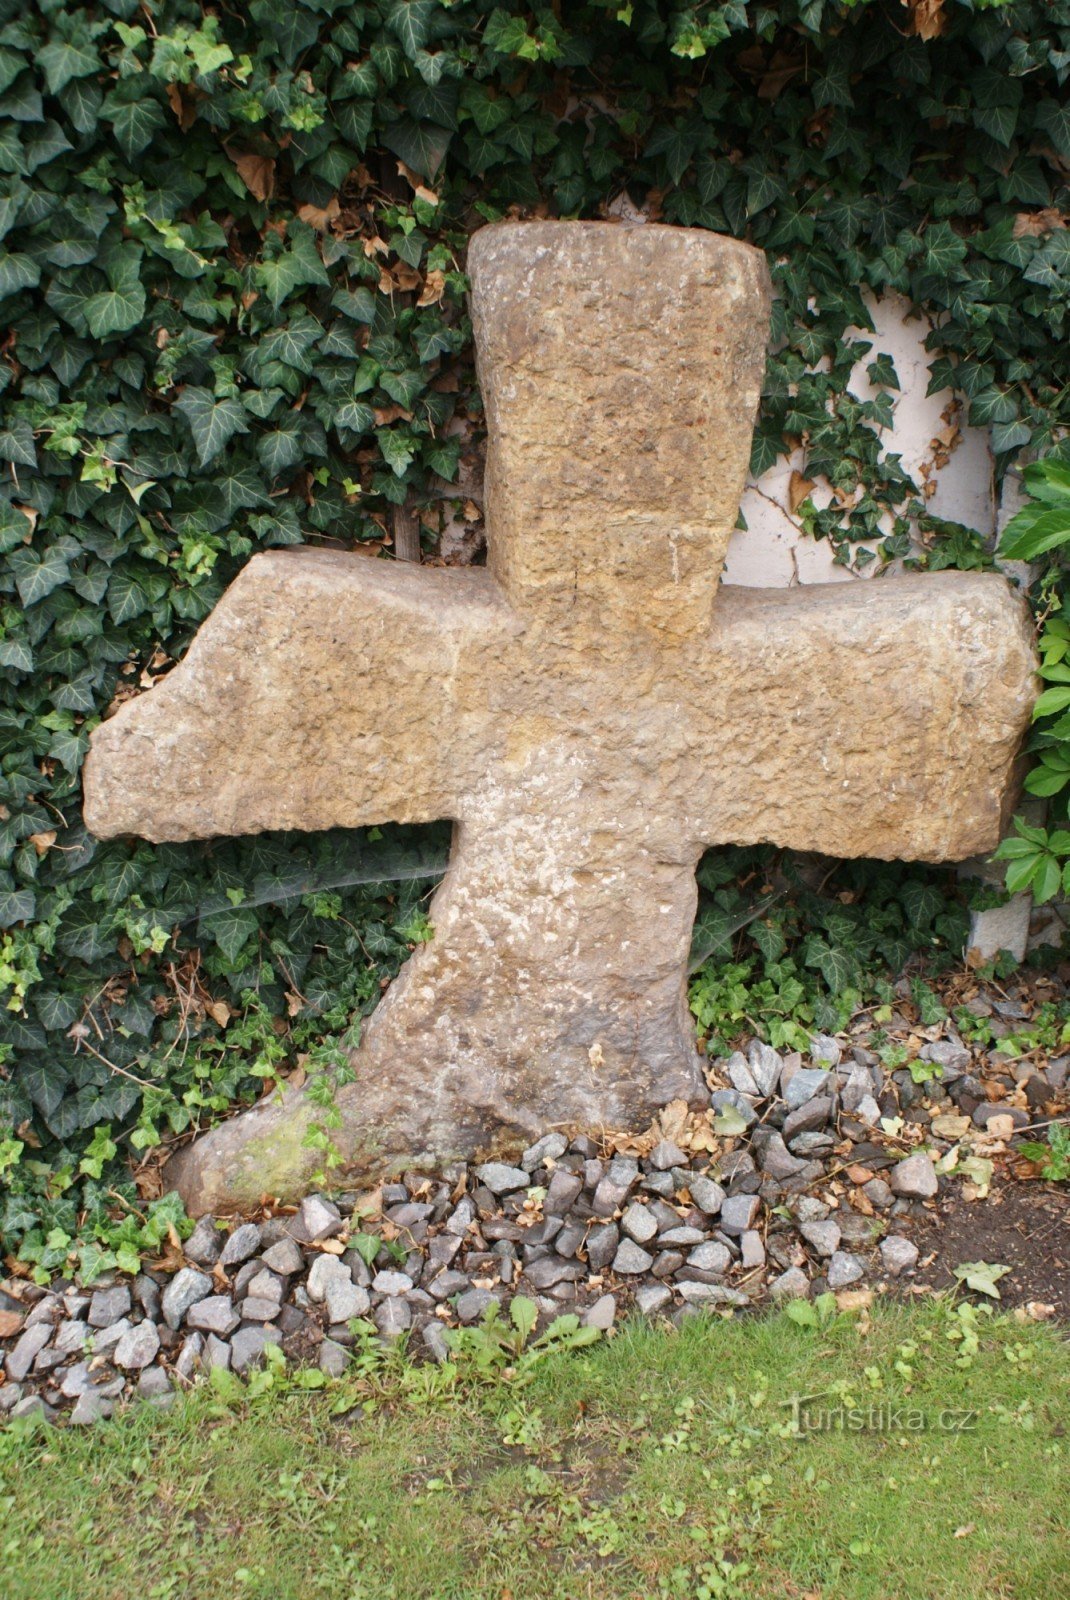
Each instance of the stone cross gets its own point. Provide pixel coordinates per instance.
(589, 709)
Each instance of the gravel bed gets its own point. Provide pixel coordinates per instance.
(802, 1176)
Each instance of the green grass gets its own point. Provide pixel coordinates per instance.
(659, 1463)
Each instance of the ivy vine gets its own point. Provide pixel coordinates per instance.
(232, 316)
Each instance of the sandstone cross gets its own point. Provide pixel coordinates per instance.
(589, 710)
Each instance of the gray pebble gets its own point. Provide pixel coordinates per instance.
(740, 1075)
(804, 1085)
(898, 1254)
(914, 1178)
(775, 1159)
(681, 1235)
(823, 1237)
(284, 1257)
(752, 1249)
(316, 1219)
(154, 1384)
(216, 1354)
(639, 1223)
(501, 1179)
(26, 1350)
(791, 1285)
(631, 1259)
(844, 1269)
(185, 1289)
(204, 1243)
(243, 1243)
(329, 1269)
(214, 1314)
(738, 1213)
(563, 1191)
(107, 1338)
(70, 1337)
(393, 1317)
(189, 1357)
(698, 1293)
(256, 1309)
(665, 1154)
(551, 1270)
(652, 1298)
(76, 1380)
(90, 1407)
(569, 1239)
(602, 1245)
(345, 1300)
(147, 1295)
(602, 1314)
(137, 1348)
(333, 1358)
(266, 1285)
(464, 1215)
(707, 1195)
(248, 1345)
(392, 1283)
(434, 1337)
(613, 1189)
(823, 1047)
(549, 1148)
(765, 1066)
(108, 1305)
(878, 1193)
(808, 1118)
(710, 1257)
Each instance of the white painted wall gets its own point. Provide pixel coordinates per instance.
(949, 459)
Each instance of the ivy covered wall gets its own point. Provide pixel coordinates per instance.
(232, 316)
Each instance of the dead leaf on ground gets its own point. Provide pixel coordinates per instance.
(256, 172)
(321, 217)
(401, 277)
(1031, 224)
(183, 102)
(385, 415)
(799, 489)
(219, 1012)
(419, 187)
(433, 289)
(43, 842)
(927, 19)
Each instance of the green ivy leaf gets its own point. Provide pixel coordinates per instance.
(231, 930)
(16, 443)
(213, 423)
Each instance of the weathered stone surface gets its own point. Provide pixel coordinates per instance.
(915, 1178)
(587, 708)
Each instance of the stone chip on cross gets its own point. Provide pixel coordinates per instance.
(590, 709)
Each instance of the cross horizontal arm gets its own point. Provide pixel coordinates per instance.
(325, 690)
(866, 719)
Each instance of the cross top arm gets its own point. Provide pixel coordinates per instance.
(621, 370)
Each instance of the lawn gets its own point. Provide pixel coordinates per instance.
(660, 1462)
